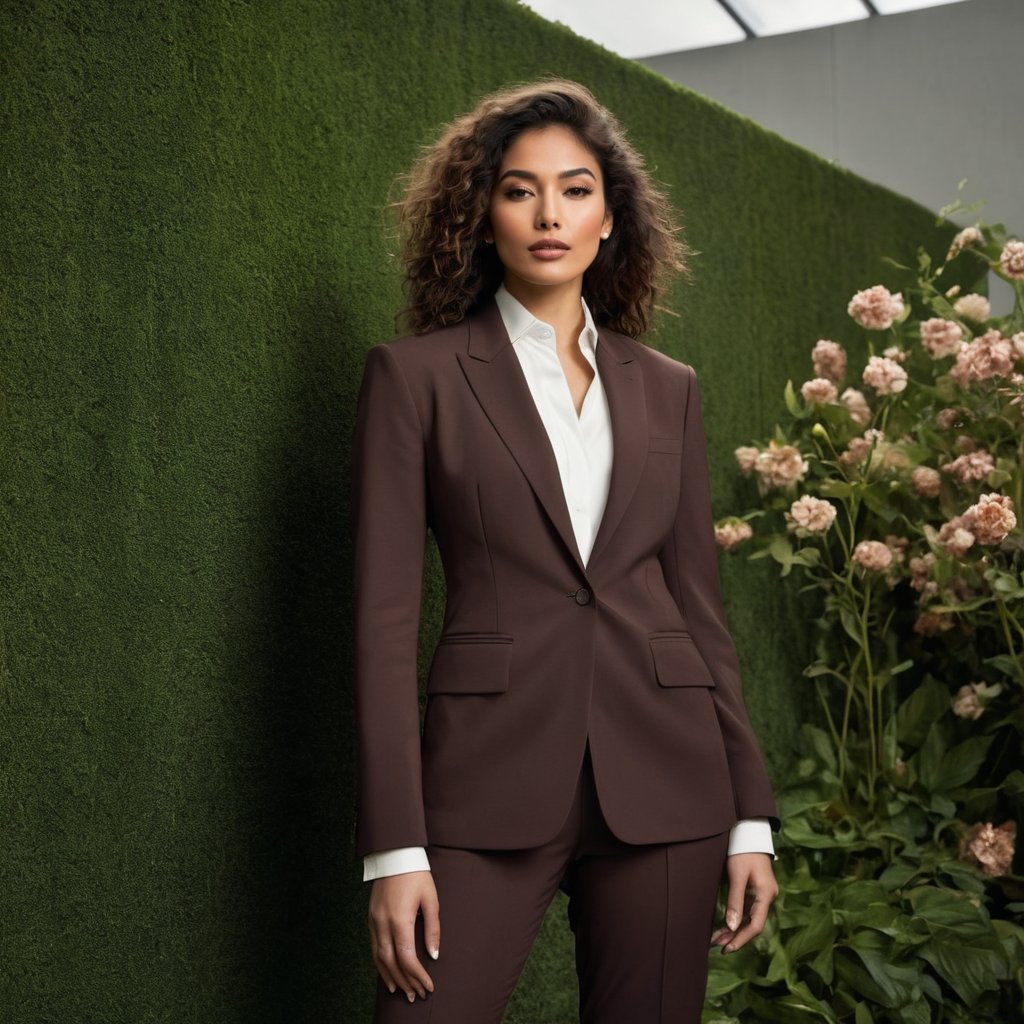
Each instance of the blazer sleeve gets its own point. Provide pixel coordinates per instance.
(689, 561)
(389, 533)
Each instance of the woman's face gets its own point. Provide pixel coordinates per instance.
(547, 210)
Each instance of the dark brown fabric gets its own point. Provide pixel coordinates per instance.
(642, 916)
(539, 654)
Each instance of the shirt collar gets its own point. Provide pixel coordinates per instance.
(521, 323)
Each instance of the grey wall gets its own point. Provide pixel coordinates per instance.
(914, 101)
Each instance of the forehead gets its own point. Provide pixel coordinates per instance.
(550, 147)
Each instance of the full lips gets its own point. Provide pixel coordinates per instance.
(549, 254)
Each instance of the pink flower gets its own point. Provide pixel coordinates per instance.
(873, 555)
(991, 848)
(966, 704)
(933, 623)
(858, 449)
(941, 337)
(857, 406)
(829, 359)
(780, 465)
(1018, 345)
(925, 481)
(945, 419)
(956, 537)
(886, 376)
(895, 353)
(971, 467)
(876, 308)
(964, 238)
(973, 307)
(989, 356)
(970, 700)
(812, 514)
(731, 533)
(1011, 260)
(818, 391)
(746, 456)
(920, 570)
(991, 518)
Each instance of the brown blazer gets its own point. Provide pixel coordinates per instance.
(538, 652)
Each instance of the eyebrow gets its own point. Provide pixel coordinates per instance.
(530, 176)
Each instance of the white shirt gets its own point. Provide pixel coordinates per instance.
(583, 450)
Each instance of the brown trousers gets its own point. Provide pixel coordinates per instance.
(641, 915)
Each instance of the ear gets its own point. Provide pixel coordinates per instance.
(606, 227)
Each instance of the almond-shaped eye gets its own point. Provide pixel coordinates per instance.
(516, 192)
(579, 191)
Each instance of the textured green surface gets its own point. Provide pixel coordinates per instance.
(193, 268)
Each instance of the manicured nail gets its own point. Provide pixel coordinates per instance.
(391, 989)
(732, 919)
(434, 954)
(412, 996)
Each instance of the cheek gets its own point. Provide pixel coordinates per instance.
(504, 223)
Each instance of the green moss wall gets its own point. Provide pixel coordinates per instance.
(193, 268)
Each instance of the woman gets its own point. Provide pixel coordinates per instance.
(584, 724)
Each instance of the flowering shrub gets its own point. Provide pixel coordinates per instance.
(895, 495)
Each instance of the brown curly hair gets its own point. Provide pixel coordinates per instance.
(443, 213)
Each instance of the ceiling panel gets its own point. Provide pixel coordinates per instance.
(897, 6)
(641, 28)
(773, 17)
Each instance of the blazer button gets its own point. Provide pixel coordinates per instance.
(582, 596)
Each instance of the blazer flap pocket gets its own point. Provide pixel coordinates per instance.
(677, 662)
(673, 445)
(471, 663)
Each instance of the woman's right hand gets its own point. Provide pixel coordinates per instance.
(394, 903)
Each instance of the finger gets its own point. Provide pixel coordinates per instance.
(734, 903)
(382, 969)
(758, 917)
(408, 963)
(384, 960)
(432, 927)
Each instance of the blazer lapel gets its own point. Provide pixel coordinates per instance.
(497, 380)
(623, 383)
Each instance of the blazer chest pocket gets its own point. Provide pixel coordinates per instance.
(470, 663)
(677, 662)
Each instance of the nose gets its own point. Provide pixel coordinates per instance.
(548, 216)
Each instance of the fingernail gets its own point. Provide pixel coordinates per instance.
(732, 919)
(434, 954)
(412, 996)
(391, 989)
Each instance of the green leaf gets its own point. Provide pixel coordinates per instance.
(850, 623)
(1006, 664)
(792, 405)
(821, 744)
(925, 705)
(961, 764)
(916, 1012)
(944, 909)
(897, 874)
(969, 969)
(835, 489)
(862, 1015)
(871, 981)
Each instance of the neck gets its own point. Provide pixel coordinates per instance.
(560, 306)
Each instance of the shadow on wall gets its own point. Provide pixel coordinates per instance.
(307, 960)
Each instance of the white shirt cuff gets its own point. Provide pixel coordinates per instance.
(754, 835)
(751, 836)
(394, 862)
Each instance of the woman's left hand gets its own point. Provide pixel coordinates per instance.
(752, 889)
